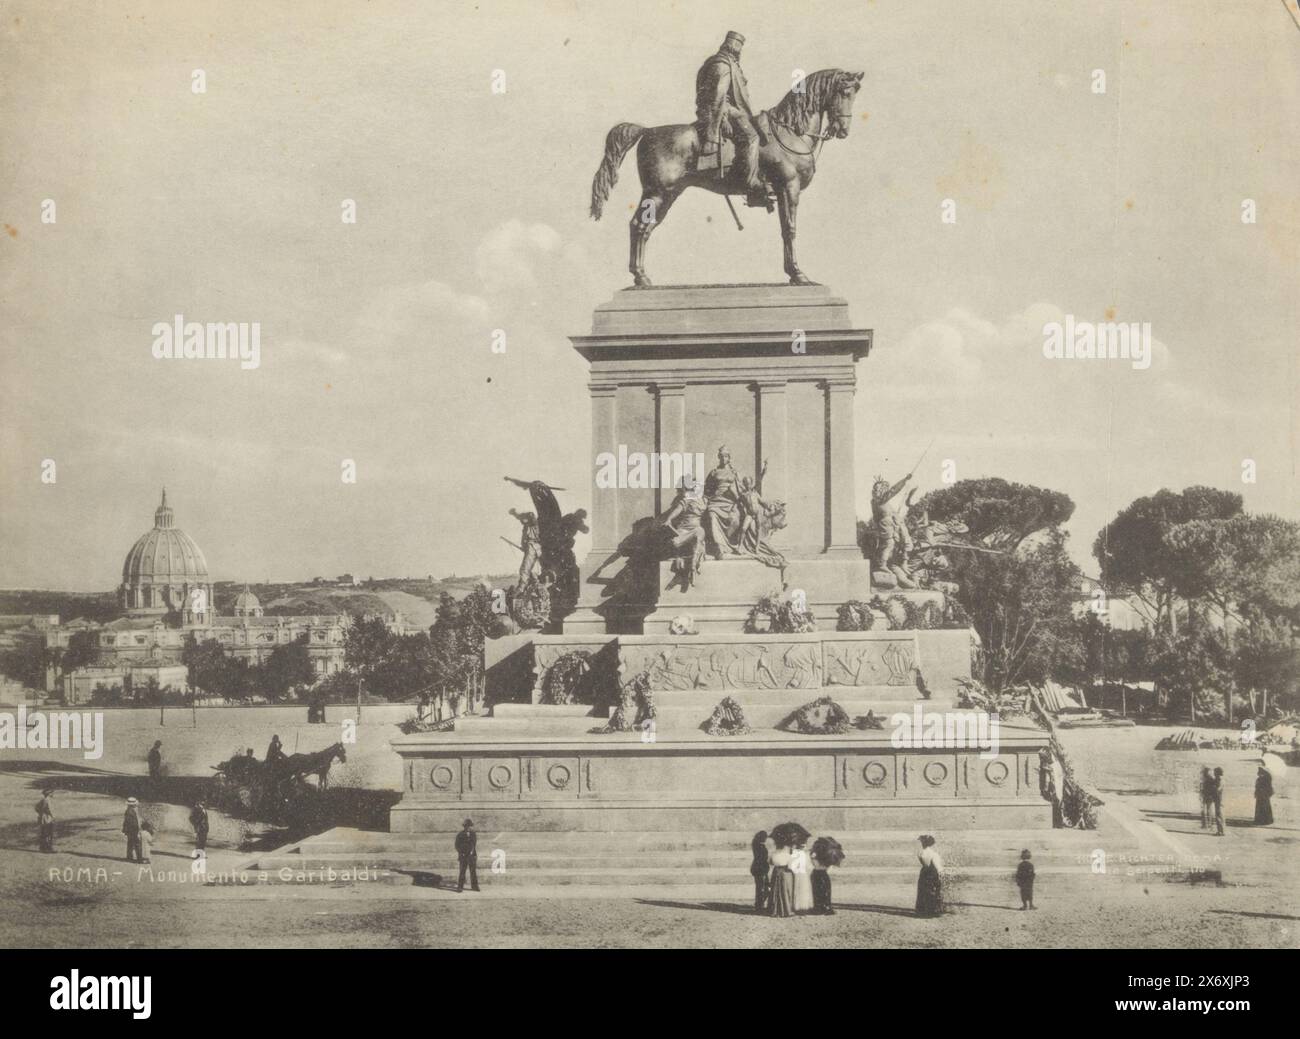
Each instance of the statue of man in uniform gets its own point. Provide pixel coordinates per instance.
(722, 104)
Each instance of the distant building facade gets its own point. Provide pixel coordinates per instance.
(1120, 613)
(167, 595)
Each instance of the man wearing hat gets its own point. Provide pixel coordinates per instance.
(131, 827)
(45, 819)
(467, 853)
(722, 103)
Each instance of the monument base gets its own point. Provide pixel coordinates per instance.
(539, 766)
(619, 783)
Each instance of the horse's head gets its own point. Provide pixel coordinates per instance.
(820, 102)
(339, 752)
(839, 103)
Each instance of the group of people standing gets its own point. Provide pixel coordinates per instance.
(140, 832)
(1212, 785)
(136, 828)
(788, 879)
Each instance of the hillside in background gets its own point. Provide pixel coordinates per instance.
(96, 606)
(415, 598)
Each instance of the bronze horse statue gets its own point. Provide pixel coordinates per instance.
(667, 157)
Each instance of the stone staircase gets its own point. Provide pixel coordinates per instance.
(612, 865)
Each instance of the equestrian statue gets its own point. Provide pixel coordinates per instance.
(775, 151)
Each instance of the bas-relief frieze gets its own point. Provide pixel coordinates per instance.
(766, 665)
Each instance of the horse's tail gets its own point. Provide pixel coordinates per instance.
(617, 143)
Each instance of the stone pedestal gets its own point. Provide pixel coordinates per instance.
(768, 371)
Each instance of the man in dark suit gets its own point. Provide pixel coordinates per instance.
(45, 819)
(199, 820)
(131, 828)
(467, 853)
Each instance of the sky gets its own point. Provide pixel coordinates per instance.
(471, 215)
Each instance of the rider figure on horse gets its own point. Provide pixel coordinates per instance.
(722, 104)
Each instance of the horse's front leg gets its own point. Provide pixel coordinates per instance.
(788, 204)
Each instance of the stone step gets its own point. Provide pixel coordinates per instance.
(705, 842)
(723, 865)
(941, 816)
(667, 874)
(537, 710)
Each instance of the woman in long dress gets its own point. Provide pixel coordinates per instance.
(781, 893)
(929, 886)
(1263, 797)
(801, 867)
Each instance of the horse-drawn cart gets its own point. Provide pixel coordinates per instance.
(271, 790)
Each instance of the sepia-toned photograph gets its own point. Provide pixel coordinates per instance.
(585, 474)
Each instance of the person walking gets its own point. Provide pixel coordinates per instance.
(131, 827)
(1216, 795)
(929, 884)
(467, 854)
(155, 761)
(1207, 798)
(1263, 797)
(1025, 880)
(45, 819)
(199, 820)
(759, 869)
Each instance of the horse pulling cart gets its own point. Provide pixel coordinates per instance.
(273, 789)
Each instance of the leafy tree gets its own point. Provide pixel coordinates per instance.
(1266, 663)
(1194, 670)
(997, 513)
(82, 650)
(1224, 563)
(459, 635)
(287, 666)
(1135, 555)
(366, 643)
(205, 663)
(1106, 655)
(1019, 590)
(106, 695)
(25, 663)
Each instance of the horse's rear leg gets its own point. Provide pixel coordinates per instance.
(650, 211)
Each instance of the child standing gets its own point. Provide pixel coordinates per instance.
(1025, 880)
(146, 841)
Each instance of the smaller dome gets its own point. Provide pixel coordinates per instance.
(247, 604)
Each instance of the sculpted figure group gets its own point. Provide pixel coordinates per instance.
(726, 516)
